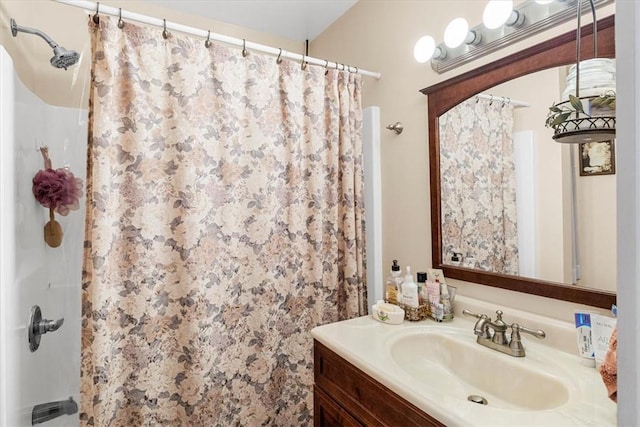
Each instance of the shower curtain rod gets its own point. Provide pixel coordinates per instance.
(514, 102)
(132, 16)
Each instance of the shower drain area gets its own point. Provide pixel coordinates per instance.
(475, 398)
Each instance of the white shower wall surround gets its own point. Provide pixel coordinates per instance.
(30, 271)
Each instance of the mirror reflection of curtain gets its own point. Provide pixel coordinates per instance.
(478, 185)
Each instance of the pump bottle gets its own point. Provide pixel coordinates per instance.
(393, 285)
(410, 290)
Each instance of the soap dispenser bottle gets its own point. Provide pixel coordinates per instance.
(393, 290)
(455, 259)
(410, 290)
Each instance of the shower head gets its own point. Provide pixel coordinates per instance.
(62, 58)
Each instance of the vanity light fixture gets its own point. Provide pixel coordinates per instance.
(497, 13)
(506, 26)
(425, 49)
(456, 32)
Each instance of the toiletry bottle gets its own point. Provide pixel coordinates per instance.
(585, 346)
(393, 284)
(455, 259)
(422, 288)
(447, 310)
(410, 290)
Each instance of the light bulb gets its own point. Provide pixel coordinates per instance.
(496, 13)
(424, 49)
(456, 32)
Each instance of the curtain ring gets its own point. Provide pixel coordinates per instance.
(303, 65)
(326, 67)
(120, 21)
(477, 98)
(165, 33)
(336, 66)
(96, 18)
(279, 58)
(207, 42)
(491, 100)
(356, 70)
(244, 48)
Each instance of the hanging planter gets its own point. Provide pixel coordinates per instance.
(59, 191)
(587, 118)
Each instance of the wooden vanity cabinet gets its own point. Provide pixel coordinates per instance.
(344, 396)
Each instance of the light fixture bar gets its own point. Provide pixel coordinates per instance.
(537, 18)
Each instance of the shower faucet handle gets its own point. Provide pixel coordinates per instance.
(39, 326)
(49, 325)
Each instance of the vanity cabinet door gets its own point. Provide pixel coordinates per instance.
(327, 413)
(341, 389)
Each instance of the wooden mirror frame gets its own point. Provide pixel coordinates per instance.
(443, 96)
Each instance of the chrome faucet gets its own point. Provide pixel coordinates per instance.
(493, 334)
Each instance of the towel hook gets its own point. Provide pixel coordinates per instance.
(396, 127)
(207, 42)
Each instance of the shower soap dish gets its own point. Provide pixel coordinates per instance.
(387, 313)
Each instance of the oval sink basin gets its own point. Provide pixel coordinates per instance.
(463, 368)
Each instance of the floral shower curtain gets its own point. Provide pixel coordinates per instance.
(225, 220)
(478, 184)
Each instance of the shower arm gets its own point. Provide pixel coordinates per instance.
(15, 28)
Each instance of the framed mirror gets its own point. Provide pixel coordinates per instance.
(445, 99)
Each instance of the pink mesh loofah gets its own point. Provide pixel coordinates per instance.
(57, 189)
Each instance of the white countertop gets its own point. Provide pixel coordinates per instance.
(366, 343)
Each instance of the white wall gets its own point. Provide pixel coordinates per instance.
(372, 202)
(628, 187)
(32, 272)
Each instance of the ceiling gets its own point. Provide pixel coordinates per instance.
(294, 19)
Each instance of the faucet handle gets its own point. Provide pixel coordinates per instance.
(477, 316)
(481, 327)
(517, 349)
(517, 329)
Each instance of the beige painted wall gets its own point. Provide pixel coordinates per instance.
(67, 25)
(379, 35)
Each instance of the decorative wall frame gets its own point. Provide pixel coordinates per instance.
(597, 158)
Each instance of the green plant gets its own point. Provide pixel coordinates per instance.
(562, 111)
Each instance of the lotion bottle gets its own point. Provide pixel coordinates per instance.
(410, 290)
(393, 292)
